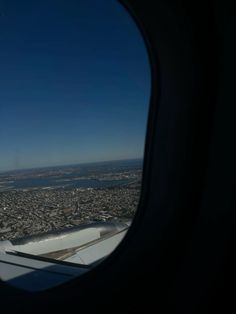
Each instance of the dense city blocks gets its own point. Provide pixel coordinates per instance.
(42, 200)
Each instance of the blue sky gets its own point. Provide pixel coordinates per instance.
(74, 83)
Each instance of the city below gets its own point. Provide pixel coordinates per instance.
(35, 201)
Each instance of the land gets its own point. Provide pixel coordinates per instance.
(25, 212)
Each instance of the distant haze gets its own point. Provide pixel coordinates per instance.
(74, 83)
(133, 161)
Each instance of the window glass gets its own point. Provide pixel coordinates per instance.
(74, 95)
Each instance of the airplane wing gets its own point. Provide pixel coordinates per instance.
(43, 261)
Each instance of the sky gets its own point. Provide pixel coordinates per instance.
(74, 83)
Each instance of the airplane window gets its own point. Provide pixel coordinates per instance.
(74, 96)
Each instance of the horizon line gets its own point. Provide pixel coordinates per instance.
(70, 164)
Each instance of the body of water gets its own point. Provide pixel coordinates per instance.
(73, 176)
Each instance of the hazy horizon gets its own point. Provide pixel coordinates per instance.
(73, 164)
